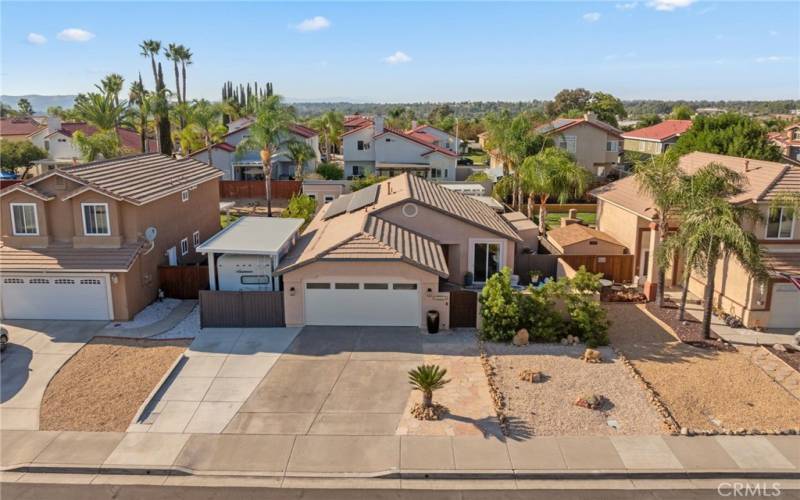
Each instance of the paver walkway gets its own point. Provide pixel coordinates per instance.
(217, 374)
(776, 368)
(175, 316)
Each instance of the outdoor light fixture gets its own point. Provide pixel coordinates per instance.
(291, 291)
(114, 278)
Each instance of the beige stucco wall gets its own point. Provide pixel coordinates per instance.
(591, 146)
(448, 231)
(585, 248)
(293, 285)
(320, 190)
(623, 225)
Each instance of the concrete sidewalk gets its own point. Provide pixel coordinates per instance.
(287, 457)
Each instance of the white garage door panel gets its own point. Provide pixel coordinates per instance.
(785, 306)
(362, 307)
(55, 297)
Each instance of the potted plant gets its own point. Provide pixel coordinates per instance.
(468, 279)
(535, 275)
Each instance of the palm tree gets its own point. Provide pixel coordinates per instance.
(660, 179)
(185, 56)
(269, 128)
(112, 85)
(100, 110)
(552, 174)
(206, 118)
(151, 48)
(299, 152)
(426, 379)
(141, 113)
(173, 54)
(332, 127)
(717, 226)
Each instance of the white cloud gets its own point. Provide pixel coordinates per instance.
(627, 6)
(773, 33)
(315, 23)
(75, 35)
(591, 17)
(669, 5)
(36, 39)
(398, 57)
(773, 59)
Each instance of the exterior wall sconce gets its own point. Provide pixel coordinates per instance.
(114, 278)
(291, 291)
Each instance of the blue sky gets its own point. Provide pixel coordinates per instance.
(401, 52)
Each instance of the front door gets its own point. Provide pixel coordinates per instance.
(172, 256)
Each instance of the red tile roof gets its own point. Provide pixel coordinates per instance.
(562, 124)
(660, 131)
(19, 126)
(130, 138)
(302, 130)
(434, 147)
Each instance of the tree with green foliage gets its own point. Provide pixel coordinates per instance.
(268, 130)
(300, 206)
(366, 181)
(681, 112)
(300, 153)
(172, 54)
(607, 108)
(103, 144)
(478, 177)
(568, 100)
(727, 134)
(648, 121)
(573, 103)
(206, 119)
(330, 171)
(499, 308)
(19, 155)
(24, 107)
(103, 111)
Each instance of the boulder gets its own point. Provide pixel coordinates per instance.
(521, 338)
(592, 356)
(531, 376)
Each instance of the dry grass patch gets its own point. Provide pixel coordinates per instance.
(105, 383)
(704, 389)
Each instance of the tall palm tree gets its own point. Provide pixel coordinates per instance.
(112, 85)
(552, 174)
(151, 48)
(332, 128)
(141, 112)
(717, 226)
(269, 128)
(173, 54)
(206, 118)
(100, 110)
(299, 152)
(185, 56)
(660, 179)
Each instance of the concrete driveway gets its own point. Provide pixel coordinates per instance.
(335, 381)
(37, 349)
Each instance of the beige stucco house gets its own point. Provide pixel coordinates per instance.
(627, 215)
(596, 145)
(74, 241)
(655, 139)
(385, 254)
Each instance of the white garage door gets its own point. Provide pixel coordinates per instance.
(55, 297)
(374, 303)
(785, 306)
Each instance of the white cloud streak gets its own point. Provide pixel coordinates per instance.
(398, 57)
(773, 59)
(75, 35)
(36, 39)
(315, 23)
(669, 5)
(627, 6)
(591, 17)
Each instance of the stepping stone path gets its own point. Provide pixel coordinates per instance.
(777, 369)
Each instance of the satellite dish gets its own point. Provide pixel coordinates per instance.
(151, 233)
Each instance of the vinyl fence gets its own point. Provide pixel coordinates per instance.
(241, 309)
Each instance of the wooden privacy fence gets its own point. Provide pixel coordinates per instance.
(566, 207)
(241, 309)
(183, 282)
(544, 264)
(463, 309)
(257, 189)
(617, 268)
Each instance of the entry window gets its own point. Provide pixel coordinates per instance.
(346, 286)
(95, 219)
(612, 146)
(318, 286)
(184, 246)
(256, 279)
(196, 239)
(376, 286)
(185, 195)
(404, 286)
(486, 261)
(780, 222)
(356, 170)
(24, 219)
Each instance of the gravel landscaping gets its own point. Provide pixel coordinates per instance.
(548, 408)
(149, 315)
(188, 328)
(704, 389)
(105, 383)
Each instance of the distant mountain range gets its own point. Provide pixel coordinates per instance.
(40, 103)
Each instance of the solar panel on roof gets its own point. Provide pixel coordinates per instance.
(363, 198)
(338, 206)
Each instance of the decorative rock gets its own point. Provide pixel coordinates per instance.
(531, 376)
(592, 356)
(592, 402)
(564, 341)
(521, 338)
(684, 431)
(779, 347)
(433, 412)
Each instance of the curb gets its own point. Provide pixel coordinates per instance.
(168, 376)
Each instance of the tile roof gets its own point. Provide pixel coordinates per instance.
(660, 131)
(19, 126)
(578, 233)
(561, 124)
(433, 147)
(294, 128)
(764, 179)
(782, 262)
(68, 258)
(130, 139)
(138, 179)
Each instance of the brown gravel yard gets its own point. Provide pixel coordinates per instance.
(547, 408)
(105, 383)
(704, 389)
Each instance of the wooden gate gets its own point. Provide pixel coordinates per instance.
(182, 282)
(463, 309)
(220, 309)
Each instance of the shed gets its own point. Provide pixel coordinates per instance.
(577, 239)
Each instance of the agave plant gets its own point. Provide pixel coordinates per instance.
(426, 379)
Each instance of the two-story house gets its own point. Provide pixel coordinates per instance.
(374, 148)
(86, 242)
(627, 215)
(18, 128)
(656, 139)
(788, 141)
(247, 166)
(594, 144)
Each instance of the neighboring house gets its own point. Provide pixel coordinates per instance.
(435, 136)
(74, 241)
(382, 255)
(16, 129)
(324, 191)
(247, 166)
(57, 138)
(594, 144)
(655, 140)
(789, 142)
(352, 122)
(627, 215)
(243, 256)
(374, 148)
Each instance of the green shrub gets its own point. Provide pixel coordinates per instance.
(301, 207)
(330, 171)
(365, 182)
(585, 282)
(538, 315)
(478, 177)
(499, 308)
(588, 320)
